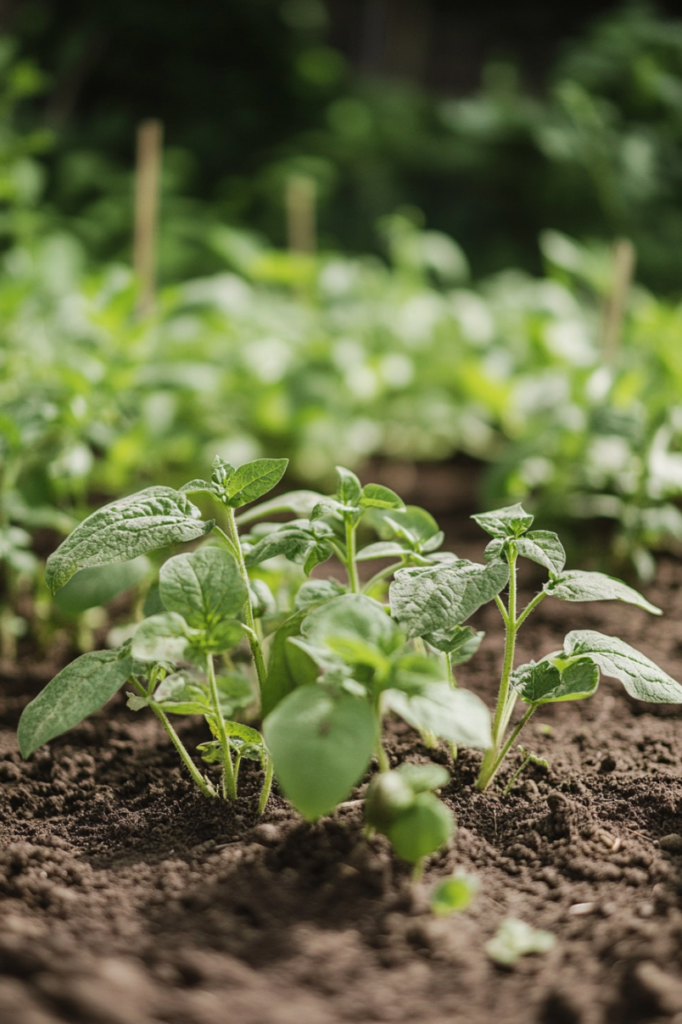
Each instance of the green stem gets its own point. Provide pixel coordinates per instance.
(351, 567)
(254, 642)
(419, 646)
(452, 679)
(384, 764)
(530, 607)
(267, 784)
(382, 574)
(205, 786)
(506, 748)
(505, 699)
(229, 781)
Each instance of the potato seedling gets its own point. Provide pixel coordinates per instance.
(328, 664)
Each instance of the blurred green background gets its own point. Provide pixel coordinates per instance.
(390, 231)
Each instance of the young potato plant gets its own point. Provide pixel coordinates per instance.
(428, 599)
(330, 663)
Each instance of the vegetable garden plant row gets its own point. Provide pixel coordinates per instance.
(128, 894)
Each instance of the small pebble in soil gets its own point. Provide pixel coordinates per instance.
(581, 909)
(671, 843)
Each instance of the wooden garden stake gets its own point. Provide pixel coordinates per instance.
(148, 172)
(624, 259)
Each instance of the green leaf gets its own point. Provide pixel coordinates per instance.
(222, 637)
(203, 487)
(453, 714)
(515, 939)
(349, 488)
(388, 795)
(434, 599)
(461, 643)
(321, 747)
(354, 616)
(423, 778)
(204, 587)
(124, 529)
(294, 542)
(234, 693)
(100, 584)
(79, 689)
(253, 480)
(556, 679)
(287, 668)
(576, 585)
(412, 524)
(136, 703)
(422, 829)
(315, 591)
(454, 894)
(543, 547)
(376, 496)
(162, 638)
(511, 521)
(382, 549)
(411, 672)
(640, 676)
(179, 686)
(301, 503)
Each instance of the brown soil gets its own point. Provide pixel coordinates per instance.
(129, 899)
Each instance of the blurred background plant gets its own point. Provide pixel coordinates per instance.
(313, 302)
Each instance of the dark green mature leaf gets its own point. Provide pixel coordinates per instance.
(576, 585)
(222, 637)
(321, 747)
(79, 689)
(511, 521)
(301, 503)
(162, 638)
(433, 599)
(422, 829)
(640, 676)
(461, 643)
(204, 586)
(543, 547)
(287, 668)
(349, 488)
(125, 529)
(253, 480)
(556, 679)
(354, 616)
(453, 714)
(377, 496)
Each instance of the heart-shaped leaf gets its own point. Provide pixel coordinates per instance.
(204, 587)
(556, 679)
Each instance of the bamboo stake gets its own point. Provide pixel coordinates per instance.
(148, 173)
(301, 219)
(624, 259)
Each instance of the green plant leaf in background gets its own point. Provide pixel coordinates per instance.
(321, 747)
(515, 939)
(453, 714)
(543, 547)
(356, 617)
(163, 637)
(79, 689)
(454, 894)
(460, 643)
(301, 503)
(349, 488)
(640, 676)
(377, 496)
(510, 522)
(422, 829)
(97, 586)
(124, 529)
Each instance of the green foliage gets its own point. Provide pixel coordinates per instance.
(515, 939)
(400, 805)
(454, 894)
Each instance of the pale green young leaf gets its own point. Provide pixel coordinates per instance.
(321, 747)
(162, 638)
(136, 703)
(349, 488)
(234, 693)
(377, 496)
(640, 676)
(320, 552)
(382, 549)
(454, 894)
(222, 637)
(423, 778)
(354, 616)
(98, 585)
(556, 679)
(203, 487)
(253, 480)
(287, 669)
(411, 673)
(453, 714)
(576, 585)
(179, 686)
(515, 939)
(432, 544)
(434, 599)
(412, 523)
(315, 591)
(124, 529)
(460, 643)
(294, 542)
(79, 689)
(543, 547)
(204, 587)
(512, 521)
(301, 503)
